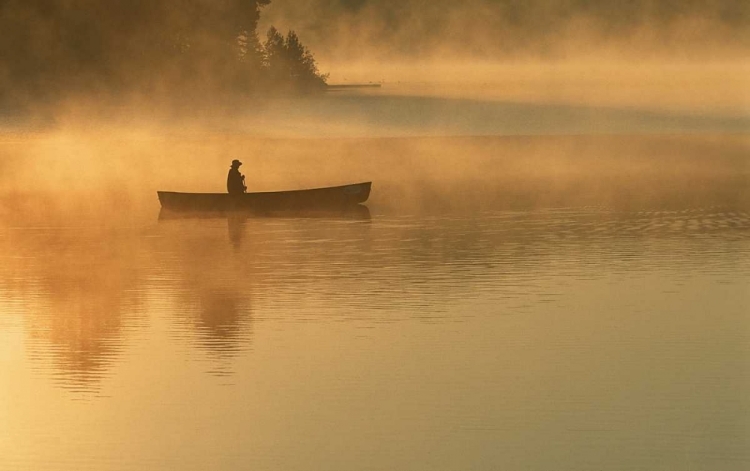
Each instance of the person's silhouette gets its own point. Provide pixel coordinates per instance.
(235, 180)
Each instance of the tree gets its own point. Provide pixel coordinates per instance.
(274, 55)
(302, 66)
(52, 49)
(289, 63)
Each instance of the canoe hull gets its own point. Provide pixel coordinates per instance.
(331, 197)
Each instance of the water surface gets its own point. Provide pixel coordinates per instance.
(537, 303)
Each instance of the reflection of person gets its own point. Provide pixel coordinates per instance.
(235, 180)
(236, 226)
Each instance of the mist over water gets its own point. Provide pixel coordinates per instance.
(444, 31)
(552, 270)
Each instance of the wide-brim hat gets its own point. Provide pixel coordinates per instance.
(236, 163)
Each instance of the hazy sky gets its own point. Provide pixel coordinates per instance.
(514, 28)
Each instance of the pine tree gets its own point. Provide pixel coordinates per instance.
(289, 63)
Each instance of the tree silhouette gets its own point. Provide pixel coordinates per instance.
(274, 55)
(52, 49)
(289, 63)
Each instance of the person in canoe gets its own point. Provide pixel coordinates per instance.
(235, 180)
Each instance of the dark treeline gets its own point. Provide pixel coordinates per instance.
(52, 49)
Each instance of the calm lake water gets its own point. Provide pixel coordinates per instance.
(569, 303)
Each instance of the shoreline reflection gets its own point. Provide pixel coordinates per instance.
(81, 289)
(81, 292)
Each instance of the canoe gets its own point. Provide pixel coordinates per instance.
(330, 197)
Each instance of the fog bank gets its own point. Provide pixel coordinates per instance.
(344, 30)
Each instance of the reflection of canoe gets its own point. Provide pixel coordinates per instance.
(331, 197)
(354, 212)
